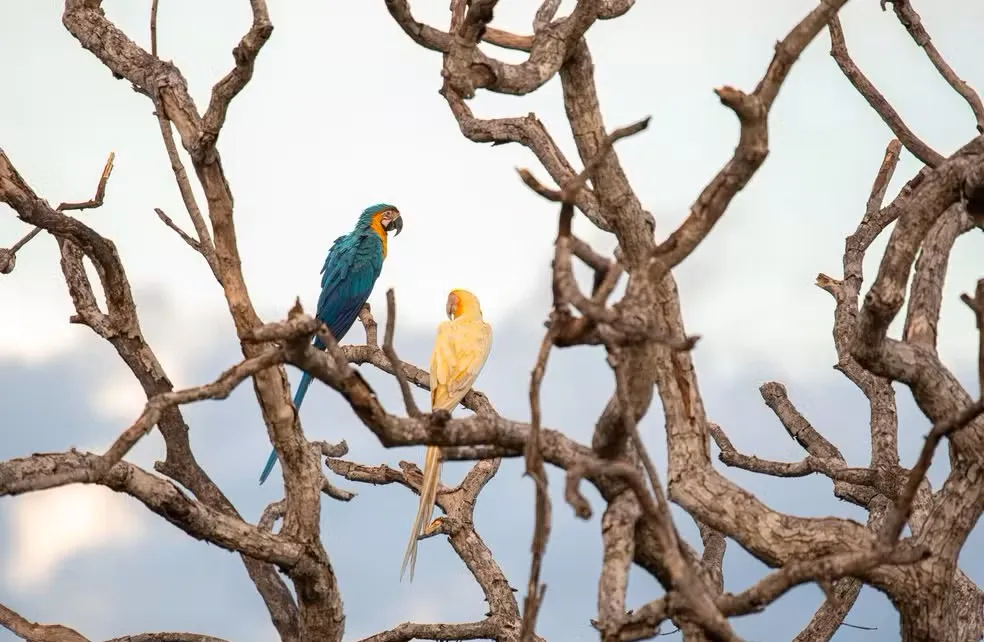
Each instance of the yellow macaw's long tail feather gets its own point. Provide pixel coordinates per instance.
(425, 509)
(460, 350)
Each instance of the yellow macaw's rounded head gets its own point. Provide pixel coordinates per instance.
(462, 302)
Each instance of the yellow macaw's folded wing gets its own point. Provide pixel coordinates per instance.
(460, 352)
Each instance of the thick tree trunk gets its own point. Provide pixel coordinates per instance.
(954, 614)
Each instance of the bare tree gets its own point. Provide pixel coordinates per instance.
(643, 335)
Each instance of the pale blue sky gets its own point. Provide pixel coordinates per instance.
(343, 111)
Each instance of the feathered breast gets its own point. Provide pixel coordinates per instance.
(460, 350)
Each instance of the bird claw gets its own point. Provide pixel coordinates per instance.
(434, 527)
(440, 525)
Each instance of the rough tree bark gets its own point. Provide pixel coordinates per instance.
(644, 337)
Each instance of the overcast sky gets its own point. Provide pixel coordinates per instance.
(343, 111)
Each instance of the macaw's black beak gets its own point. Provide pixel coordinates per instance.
(395, 224)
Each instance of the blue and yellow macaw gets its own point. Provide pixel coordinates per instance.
(460, 350)
(348, 276)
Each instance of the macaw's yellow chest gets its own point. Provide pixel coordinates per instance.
(377, 227)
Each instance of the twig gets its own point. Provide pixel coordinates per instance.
(153, 28)
(838, 50)
(271, 514)
(530, 132)
(330, 452)
(545, 14)
(859, 627)
(913, 24)
(458, 10)
(538, 187)
(564, 280)
(192, 243)
(797, 426)
(829, 567)
(588, 256)
(886, 171)
(369, 324)
(390, 351)
(570, 190)
(157, 405)
(976, 305)
(33, 632)
(872, 224)
(752, 111)
(334, 492)
(235, 81)
(645, 620)
(534, 469)
(334, 451)
(95, 202)
(833, 467)
(884, 423)
(205, 244)
(567, 192)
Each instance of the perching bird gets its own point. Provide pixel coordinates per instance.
(349, 274)
(460, 351)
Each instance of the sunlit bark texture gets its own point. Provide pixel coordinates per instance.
(642, 334)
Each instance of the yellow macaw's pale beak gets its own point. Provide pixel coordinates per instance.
(395, 224)
(452, 306)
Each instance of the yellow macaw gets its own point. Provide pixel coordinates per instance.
(460, 351)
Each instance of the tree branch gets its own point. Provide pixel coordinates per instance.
(752, 111)
(913, 24)
(838, 50)
(34, 632)
(8, 256)
(43, 471)
(235, 81)
(407, 631)
(542, 506)
(390, 353)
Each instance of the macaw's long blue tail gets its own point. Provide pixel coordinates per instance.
(298, 398)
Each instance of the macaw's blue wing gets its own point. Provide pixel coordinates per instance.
(348, 276)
